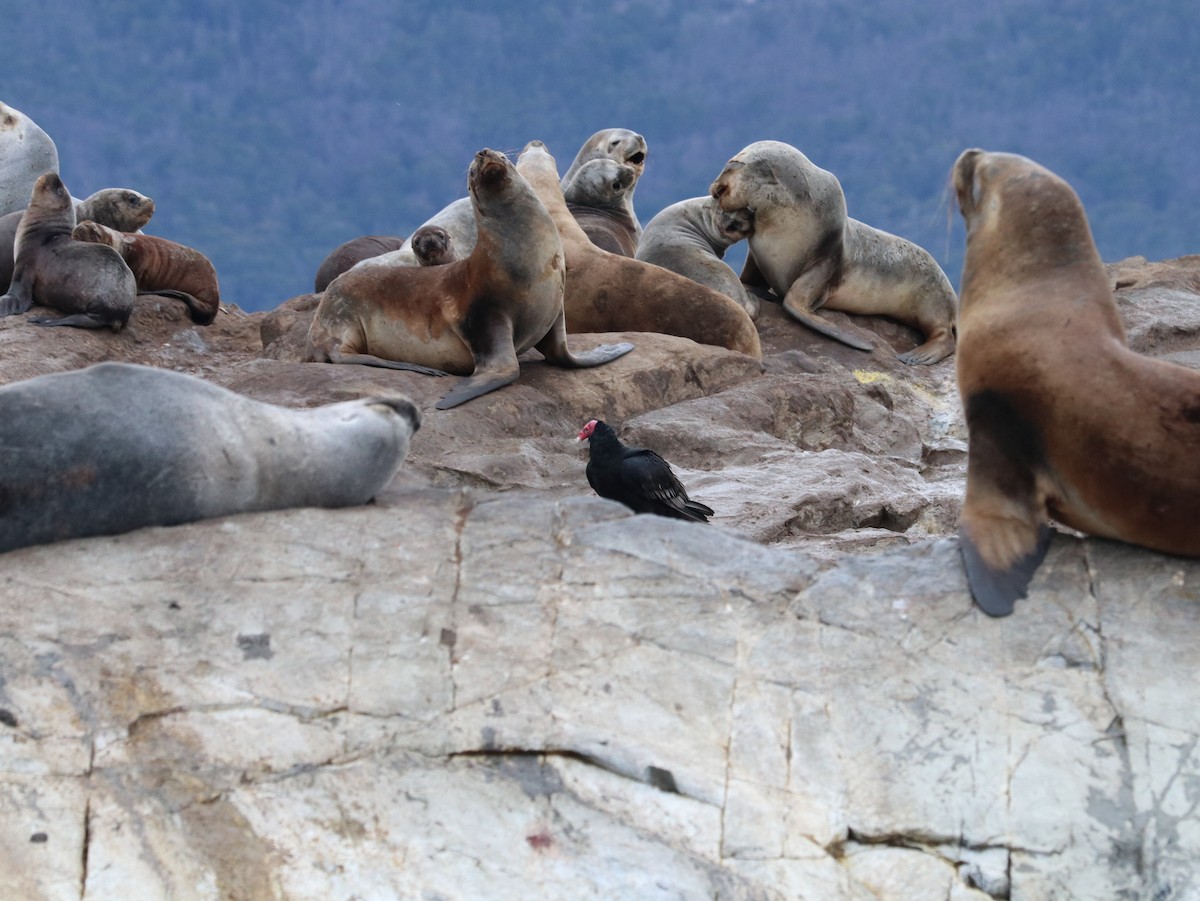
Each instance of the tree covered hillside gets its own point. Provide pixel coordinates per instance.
(270, 132)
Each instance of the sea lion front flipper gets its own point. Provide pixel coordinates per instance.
(18, 299)
(489, 335)
(995, 590)
(553, 347)
(807, 293)
(1002, 530)
(337, 356)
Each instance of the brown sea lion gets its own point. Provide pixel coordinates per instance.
(121, 208)
(596, 198)
(116, 447)
(1065, 422)
(811, 254)
(470, 317)
(162, 267)
(610, 293)
(690, 237)
(354, 251)
(433, 246)
(89, 282)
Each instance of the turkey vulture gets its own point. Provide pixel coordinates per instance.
(638, 478)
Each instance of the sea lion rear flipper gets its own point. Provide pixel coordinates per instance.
(489, 335)
(336, 356)
(79, 320)
(553, 347)
(200, 312)
(996, 591)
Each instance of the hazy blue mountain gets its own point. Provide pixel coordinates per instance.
(270, 132)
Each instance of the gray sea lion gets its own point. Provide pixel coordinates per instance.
(470, 317)
(606, 292)
(619, 144)
(811, 254)
(121, 208)
(433, 246)
(89, 282)
(26, 152)
(690, 237)
(350, 254)
(596, 198)
(162, 267)
(1064, 421)
(116, 447)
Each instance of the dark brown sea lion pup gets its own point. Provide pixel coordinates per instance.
(116, 447)
(433, 246)
(690, 237)
(89, 282)
(471, 317)
(596, 197)
(349, 254)
(162, 267)
(811, 254)
(1065, 422)
(121, 208)
(610, 293)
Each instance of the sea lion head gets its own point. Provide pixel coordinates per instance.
(490, 172)
(765, 173)
(50, 194)
(433, 245)
(95, 233)
(735, 224)
(601, 183)
(124, 209)
(1021, 218)
(625, 146)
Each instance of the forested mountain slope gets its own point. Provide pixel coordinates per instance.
(270, 132)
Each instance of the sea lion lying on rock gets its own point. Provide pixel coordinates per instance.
(116, 447)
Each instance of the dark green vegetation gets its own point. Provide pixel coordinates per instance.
(270, 132)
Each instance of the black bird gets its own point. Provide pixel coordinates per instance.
(638, 478)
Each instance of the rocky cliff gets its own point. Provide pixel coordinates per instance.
(492, 684)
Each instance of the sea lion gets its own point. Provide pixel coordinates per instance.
(26, 152)
(610, 293)
(619, 144)
(433, 246)
(812, 254)
(117, 446)
(690, 237)
(162, 267)
(470, 317)
(350, 254)
(596, 198)
(1064, 421)
(89, 282)
(121, 208)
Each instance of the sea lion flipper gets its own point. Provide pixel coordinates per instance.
(553, 347)
(997, 590)
(489, 335)
(11, 304)
(79, 320)
(808, 292)
(337, 356)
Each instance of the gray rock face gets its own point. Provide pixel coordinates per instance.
(491, 683)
